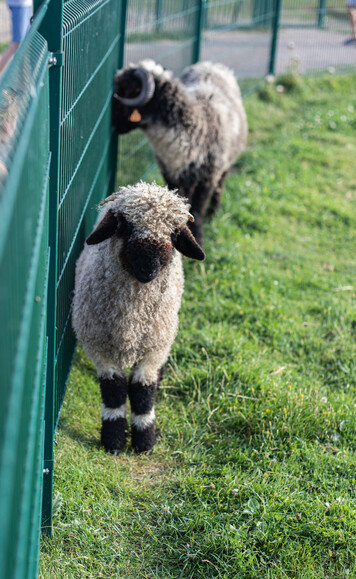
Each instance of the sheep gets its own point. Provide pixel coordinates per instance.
(128, 287)
(196, 125)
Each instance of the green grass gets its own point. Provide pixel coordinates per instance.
(254, 471)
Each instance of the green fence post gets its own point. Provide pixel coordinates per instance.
(122, 33)
(199, 30)
(275, 29)
(120, 64)
(158, 15)
(322, 13)
(51, 30)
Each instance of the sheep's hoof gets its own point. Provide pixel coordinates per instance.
(143, 440)
(115, 451)
(144, 452)
(113, 435)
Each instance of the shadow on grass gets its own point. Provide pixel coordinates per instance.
(86, 440)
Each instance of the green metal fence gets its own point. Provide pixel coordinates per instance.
(312, 35)
(239, 33)
(24, 258)
(57, 160)
(85, 39)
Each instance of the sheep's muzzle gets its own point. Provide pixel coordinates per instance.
(145, 257)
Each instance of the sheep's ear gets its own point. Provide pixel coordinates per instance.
(185, 242)
(105, 229)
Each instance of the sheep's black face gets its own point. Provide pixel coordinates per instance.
(134, 88)
(128, 86)
(144, 258)
(121, 118)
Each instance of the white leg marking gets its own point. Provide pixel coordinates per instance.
(142, 421)
(106, 371)
(145, 374)
(113, 413)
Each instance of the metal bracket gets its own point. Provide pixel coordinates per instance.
(48, 466)
(56, 59)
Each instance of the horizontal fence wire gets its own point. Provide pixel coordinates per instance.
(24, 192)
(91, 35)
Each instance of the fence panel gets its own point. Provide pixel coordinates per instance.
(91, 34)
(301, 13)
(238, 33)
(320, 49)
(24, 167)
(88, 41)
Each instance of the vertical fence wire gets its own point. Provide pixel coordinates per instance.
(51, 29)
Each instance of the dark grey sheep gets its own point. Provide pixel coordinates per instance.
(196, 125)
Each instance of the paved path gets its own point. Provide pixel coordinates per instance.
(247, 52)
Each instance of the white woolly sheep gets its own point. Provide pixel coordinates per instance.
(196, 124)
(128, 288)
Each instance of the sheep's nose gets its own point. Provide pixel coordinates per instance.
(146, 270)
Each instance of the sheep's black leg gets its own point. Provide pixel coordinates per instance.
(142, 399)
(161, 375)
(199, 202)
(113, 413)
(216, 196)
(168, 181)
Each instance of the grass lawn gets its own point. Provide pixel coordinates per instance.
(254, 471)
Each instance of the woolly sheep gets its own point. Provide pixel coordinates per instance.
(196, 125)
(128, 288)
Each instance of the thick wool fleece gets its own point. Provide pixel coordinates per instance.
(196, 124)
(121, 322)
(154, 211)
(214, 125)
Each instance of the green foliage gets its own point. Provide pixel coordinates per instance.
(3, 46)
(253, 474)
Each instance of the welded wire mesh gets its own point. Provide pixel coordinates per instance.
(301, 13)
(231, 14)
(24, 163)
(91, 33)
(238, 34)
(312, 37)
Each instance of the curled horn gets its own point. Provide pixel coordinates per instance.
(148, 88)
(111, 197)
